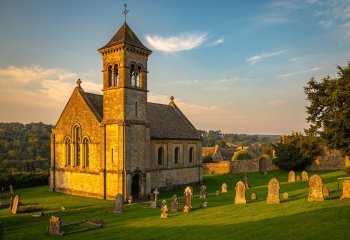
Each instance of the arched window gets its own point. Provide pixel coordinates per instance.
(67, 146)
(160, 155)
(86, 152)
(76, 145)
(176, 155)
(116, 76)
(191, 155)
(138, 76)
(110, 77)
(133, 75)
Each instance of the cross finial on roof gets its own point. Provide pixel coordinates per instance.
(172, 99)
(125, 12)
(79, 82)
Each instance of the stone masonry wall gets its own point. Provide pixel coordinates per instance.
(223, 167)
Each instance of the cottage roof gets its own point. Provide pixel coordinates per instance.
(165, 121)
(125, 36)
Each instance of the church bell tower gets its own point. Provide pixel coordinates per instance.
(126, 137)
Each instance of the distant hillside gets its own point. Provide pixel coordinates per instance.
(24, 147)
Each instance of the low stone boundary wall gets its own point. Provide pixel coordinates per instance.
(243, 166)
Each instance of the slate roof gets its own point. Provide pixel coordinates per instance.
(165, 121)
(125, 36)
(227, 154)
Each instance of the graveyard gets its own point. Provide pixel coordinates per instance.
(292, 218)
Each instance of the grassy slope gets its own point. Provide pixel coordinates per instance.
(294, 218)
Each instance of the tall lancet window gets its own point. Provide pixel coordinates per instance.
(138, 76)
(110, 76)
(67, 145)
(76, 146)
(133, 75)
(86, 152)
(116, 75)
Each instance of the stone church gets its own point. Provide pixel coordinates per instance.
(118, 142)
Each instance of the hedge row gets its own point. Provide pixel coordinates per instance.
(22, 180)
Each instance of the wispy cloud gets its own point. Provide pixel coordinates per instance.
(277, 102)
(290, 75)
(42, 90)
(257, 58)
(217, 42)
(182, 42)
(183, 83)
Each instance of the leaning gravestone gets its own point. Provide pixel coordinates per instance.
(224, 188)
(203, 193)
(55, 227)
(291, 176)
(273, 191)
(346, 190)
(304, 176)
(174, 204)
(118, 208)
(15, 204)
(316, 189)
(240, 193)
(188, 196)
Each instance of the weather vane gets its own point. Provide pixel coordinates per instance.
(125, 12)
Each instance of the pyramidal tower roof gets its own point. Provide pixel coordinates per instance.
(125, 36)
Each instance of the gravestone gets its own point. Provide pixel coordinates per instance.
(246, 181)
(346, 190)
(298, 178)
(273, 191)
(240, 193)
(291, 176)
(217, 192)
(11, 189)
(304, 176)
(253, 196)
(15, 204)
(205, 205)
(188, 196)
(263, 166)
(224, 188)
(164, 210)
(285, 195)
(325, 192)
(118, 208)
(316, 189)
(174, 204)
(203, 193)
(155, 203)
(55, 227)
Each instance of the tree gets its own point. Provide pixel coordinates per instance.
(329, 109)
(241, 155)
(295, 152)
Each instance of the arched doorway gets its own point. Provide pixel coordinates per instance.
(135, 186)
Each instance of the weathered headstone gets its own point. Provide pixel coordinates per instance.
(273, 189)
(246, 181)
(155, 203)
(203, 192)
(253, 196)
(298, 178)
(164, 209)
(224, 188)
(205, 205)
(325, 192)
(217, 192)
(55, 227)
(11, 189)
(346, 190)
(263, 166)
(188, 196)
(240, 193)
(316, 189)
(291, 176)
(174, 204)
(118, 208)
(15, 204)
(285, 195)
(304, 176)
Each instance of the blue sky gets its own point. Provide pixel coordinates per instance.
(238, 66)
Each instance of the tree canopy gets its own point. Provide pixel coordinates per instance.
(329, 109)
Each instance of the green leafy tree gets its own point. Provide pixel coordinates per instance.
(329, 109)
(241, 155)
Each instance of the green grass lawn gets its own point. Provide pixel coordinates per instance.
(293, 218)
